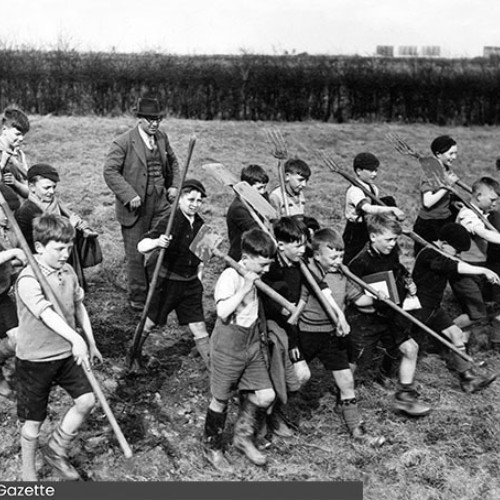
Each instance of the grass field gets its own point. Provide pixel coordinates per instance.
(451, 454)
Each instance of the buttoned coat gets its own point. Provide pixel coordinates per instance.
(125, 170)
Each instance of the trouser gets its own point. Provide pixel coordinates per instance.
(154, 208)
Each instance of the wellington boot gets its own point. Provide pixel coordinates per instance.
(244, 432)
(55, 454)
(213, 448)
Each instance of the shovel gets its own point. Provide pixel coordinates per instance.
(58, 307)
(139, 339)
(206, 243)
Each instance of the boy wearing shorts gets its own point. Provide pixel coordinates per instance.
(383, 324)
(237, 358)
(318, 338)
(179, 285)
(430, 274)
(50, 351)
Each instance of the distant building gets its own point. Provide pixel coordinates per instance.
(431, 51)
(491, 51)
(385, 50)
(408, 50)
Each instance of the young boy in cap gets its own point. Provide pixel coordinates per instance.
(319, 338)
(141, 169)
(11, 259)
(13, 164)
(42, 183)
(470, 290)
(179, 286)
(237, 358)
(358, 205)
(238, 217)
(381, 323)
(297, 174)
(437, 208)
(430, 274)
(50, 351)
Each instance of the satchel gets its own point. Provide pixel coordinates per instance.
(89, 250)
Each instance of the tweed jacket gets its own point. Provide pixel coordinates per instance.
(125, 170)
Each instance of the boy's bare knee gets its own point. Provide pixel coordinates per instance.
(85, 402)
(199, 329)
(409, 349)
(265, 397)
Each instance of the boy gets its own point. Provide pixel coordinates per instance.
(469, 289)
(236, 353)
(358, 205)
(13, 165)
(368, 327)
(297, 173)
(238, 218)
(318, 338)
(179, 285)
(50, 351)
(430, 275)
(285, 277)
(11, 258)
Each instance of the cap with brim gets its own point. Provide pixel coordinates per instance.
(43, 170)
(195, 184)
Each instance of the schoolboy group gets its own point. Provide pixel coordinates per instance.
(259, 352)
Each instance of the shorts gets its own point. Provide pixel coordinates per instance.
(8, 314)
(469, 291)
(332, 351)
(185, 297)
(35, 380)
(236, 361)
(367, 330)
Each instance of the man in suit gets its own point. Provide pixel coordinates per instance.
(142, 171)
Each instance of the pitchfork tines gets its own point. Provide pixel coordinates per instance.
(277, 140)
(329, 162)
(401, 146)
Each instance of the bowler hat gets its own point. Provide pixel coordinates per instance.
(195, 184)
(148, 108)
(44, 170)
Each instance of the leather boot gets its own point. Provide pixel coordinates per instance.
(352, 418)
(244, 432)
(470, 381)
(55, 454)
(213, 448)
(406, 401)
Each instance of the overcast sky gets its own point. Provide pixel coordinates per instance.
(459, 27)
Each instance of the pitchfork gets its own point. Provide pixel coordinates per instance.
(280, 152)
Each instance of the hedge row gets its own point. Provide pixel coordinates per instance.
(253, 87)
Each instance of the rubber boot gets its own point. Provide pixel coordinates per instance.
(352, 418)
(203, 346)
(262, 429)
(406, 401)
(29, 446)
(244, 432)
(213, 447)
(55, 454)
